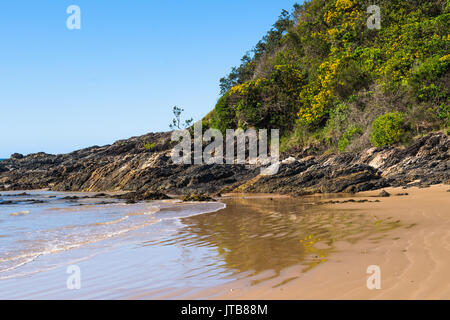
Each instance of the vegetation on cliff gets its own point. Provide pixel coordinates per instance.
(324, 78)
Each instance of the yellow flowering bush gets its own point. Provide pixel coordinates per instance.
(326, 56)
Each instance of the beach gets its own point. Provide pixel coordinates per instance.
(258, 247)
(414, 259)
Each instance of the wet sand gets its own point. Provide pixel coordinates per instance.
(414, 258)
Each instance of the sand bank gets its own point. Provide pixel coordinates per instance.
(414, 259)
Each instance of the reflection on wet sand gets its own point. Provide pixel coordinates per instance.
(253, 235)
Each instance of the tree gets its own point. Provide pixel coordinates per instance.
(176, 121)
(267, 45)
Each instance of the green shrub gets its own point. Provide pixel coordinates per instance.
(223, 116)
(443, 113)
(348, 136)
(150, 146)
(388, 129)
(428, 82)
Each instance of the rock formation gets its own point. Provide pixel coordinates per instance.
(127, 165)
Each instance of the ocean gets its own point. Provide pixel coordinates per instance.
(42, 230)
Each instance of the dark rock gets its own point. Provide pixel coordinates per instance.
(384, 194)
(17, 156)
(34, 201)
(104, 202)
(95, 203)
(197, 197)
(7, 202)
(128, 165)
(154, 195)
(100, 195)
(72, 198)
(125, 196)
(140, 195)
(348, 201)
(23, 194)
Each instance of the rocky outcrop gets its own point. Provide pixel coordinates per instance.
(128, 165)
(426, 161)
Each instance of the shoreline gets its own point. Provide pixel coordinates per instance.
(414, 260)
(413, 254)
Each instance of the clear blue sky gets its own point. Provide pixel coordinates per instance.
(121, 74)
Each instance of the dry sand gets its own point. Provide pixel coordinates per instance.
(414, 260)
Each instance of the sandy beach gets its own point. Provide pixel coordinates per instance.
(414, 259)
(258, 247)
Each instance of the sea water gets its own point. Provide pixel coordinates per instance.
(41, 230)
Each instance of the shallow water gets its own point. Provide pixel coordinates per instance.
(38, 224)
(163, 248)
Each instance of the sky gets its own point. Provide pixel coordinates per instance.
(120, 74)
